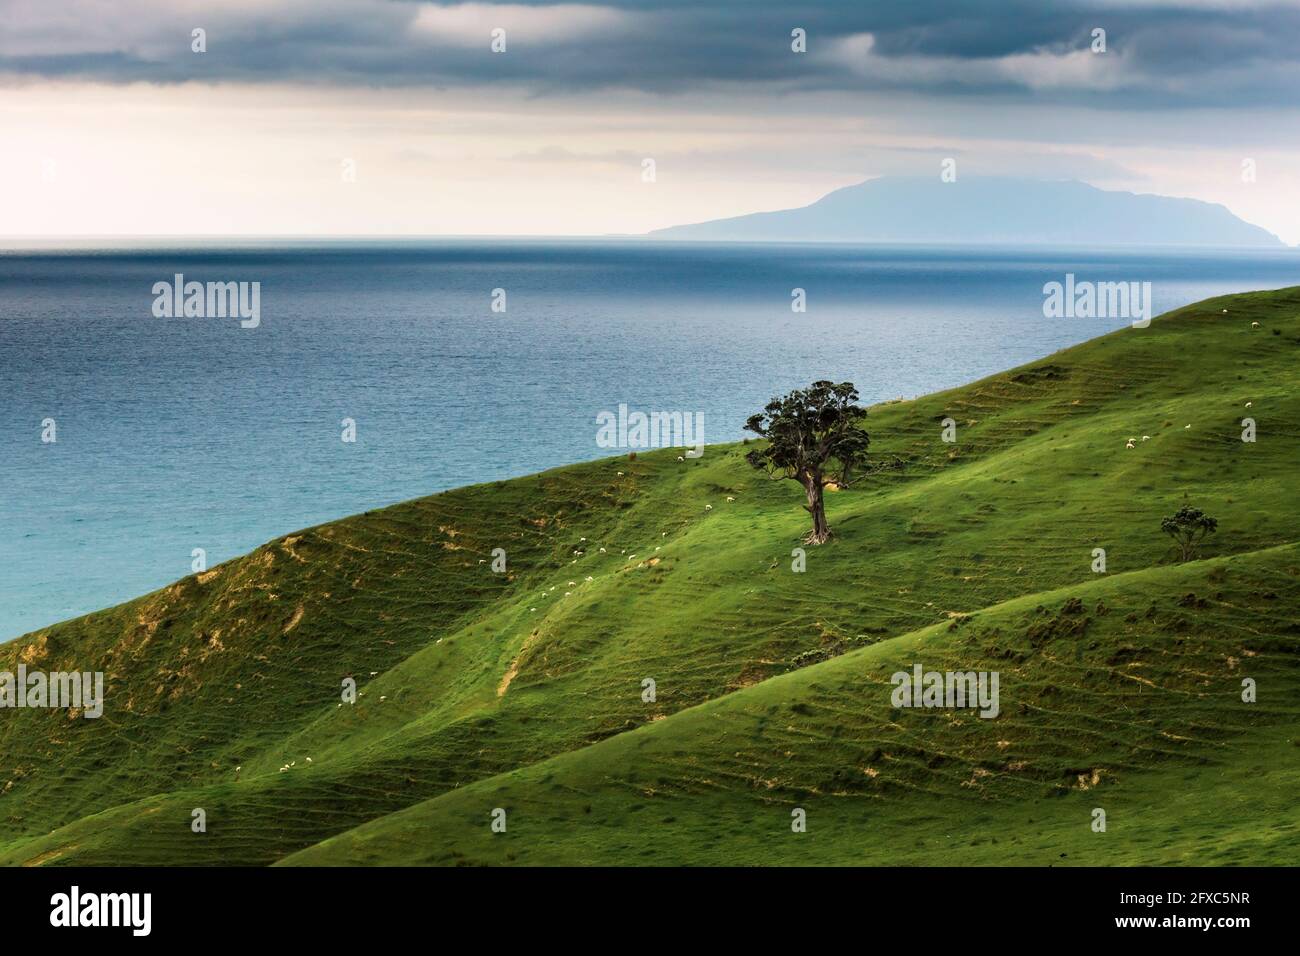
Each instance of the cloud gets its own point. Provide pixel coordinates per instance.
(1161, 53)
(471, 24)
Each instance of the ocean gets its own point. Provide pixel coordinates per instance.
(176, 433)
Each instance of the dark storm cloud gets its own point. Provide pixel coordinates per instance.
(1159, 53)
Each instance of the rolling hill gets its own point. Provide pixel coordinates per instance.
(987, 209)
(523, 690)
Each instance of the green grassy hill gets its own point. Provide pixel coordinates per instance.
(523, 690)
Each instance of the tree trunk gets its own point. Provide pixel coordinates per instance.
(821, 531)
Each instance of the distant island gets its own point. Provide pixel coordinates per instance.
(987, 210)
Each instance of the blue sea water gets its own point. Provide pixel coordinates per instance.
(176, 433)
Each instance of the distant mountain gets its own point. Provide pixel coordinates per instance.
(987, 210)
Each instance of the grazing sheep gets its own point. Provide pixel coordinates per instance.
(680, 458)
(1129, 444)
(1248, 404)
(1187, 426)
(620, 474)
(708, 507)
(309, 759)
(729, 498)
(1146, 437)
(566, 593)
(573, 584)
(1254, 325)
(602, 550)
(590, 578)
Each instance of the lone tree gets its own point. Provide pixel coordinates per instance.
(1189, 526)
(813, 437)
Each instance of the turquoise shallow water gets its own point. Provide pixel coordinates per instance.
(182, 433)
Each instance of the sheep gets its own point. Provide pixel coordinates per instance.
(680, 458)
(1146, 437)
(590, 578)
(730, 498)
(708, 507)
(602, 550)
(566, 593)
(1254, 325)
(620, 474)
(573, 584)
(383, 697)
(1129, 444)
(309, 760)
(1248, 404)
(1187, 426)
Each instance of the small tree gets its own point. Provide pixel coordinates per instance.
(813, 437)
(1189, 526)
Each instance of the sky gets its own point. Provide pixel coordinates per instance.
(396, 117)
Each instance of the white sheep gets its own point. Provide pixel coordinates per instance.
(590, 578)
(708, 507)
(1146, 437)
(1254, 325)
(1248, 404)
(730, 498)
(602, 550)
(1129, 444)
(1187, 426)
(680, 458)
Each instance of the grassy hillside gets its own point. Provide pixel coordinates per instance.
(523, 690)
